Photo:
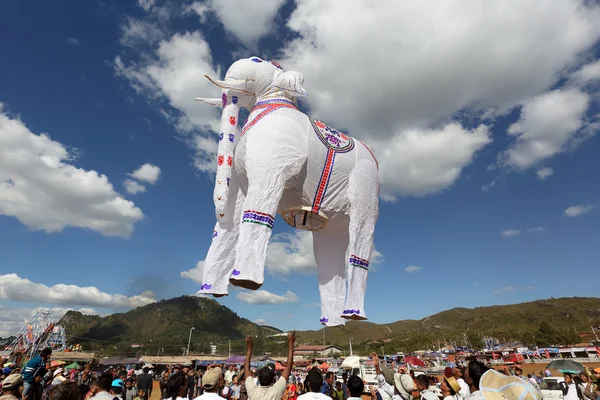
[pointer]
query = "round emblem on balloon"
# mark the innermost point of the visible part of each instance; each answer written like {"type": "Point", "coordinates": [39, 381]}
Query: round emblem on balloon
{"type": "Point", "coordinates": [332, 138]}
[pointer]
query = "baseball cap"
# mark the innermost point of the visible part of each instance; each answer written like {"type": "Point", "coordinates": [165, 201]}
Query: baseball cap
{"type": "Point", "coordinates": [117, 383]}
{"type": "Point", "coordinates": [211, 377]}
{"type": "Point", "coordinates": [12, 381]}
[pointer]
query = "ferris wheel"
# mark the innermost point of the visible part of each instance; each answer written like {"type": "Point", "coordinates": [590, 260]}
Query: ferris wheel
{"type": "Point", "coordinates": [38, 333]}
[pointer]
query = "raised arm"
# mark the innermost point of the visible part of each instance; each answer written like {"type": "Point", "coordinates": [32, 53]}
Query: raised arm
{"type": "Point", "coordinates": [290, 359]}
{"type": "Point", "coordinates": [375, 359]}
{"type": "Point", "coordinates": [249, 343]}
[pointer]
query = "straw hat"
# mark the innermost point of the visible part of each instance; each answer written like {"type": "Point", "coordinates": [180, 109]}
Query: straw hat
{"type": "Point", "coordinates": [497, 386]}
{"type": "Point", "coordinates": [404, 383]}
{"type": "Point", "coordinates": [453, 383]}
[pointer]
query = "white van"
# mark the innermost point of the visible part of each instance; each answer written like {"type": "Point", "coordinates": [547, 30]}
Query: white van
{"type": "Point", "coordinates": [551, 389]}
{"type": "Point", "coordinates": [354, 365]}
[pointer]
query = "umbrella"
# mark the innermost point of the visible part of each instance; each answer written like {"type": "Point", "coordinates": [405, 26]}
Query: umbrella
{"type": "Point", "coordinates": [56, 363]}
{"type": "Point", "coordinates": [72, 366]}
{"type": "Point", "coordinates": [566, 365]}
{"type": "Point", "coordinates": [417, 362]}
{"type": "Point", "coordinates": [324, 366]}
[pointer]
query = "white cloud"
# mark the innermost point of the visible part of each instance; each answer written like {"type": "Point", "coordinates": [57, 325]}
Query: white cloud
{"type": "Point", "coordinates": [137, 32]}
{"type": "Point", "coordinates": [576, 211]}
{"type": "Point", "coordinates": [15, 288]}
{"type": "Point", "coordinates": [544, 173]}
{"type": "Point", "coordinates": [264, 297]}
{"type": "Point", "coordinates": [42, 189]}
{"type": "Point", "coordinates": [14, 318]}
{"type": "Point", "coordinates": [293, 253]}
{"type": "Point", "coordinates": [175, 74]}
{"type": "Point", "coordinates": [146, 5]}
{"type": "Point", "coordinates": [412, 268]}
{"type": "Point", "coordinates": [588, 73]}
{"type": "Point", "coordinates": [73, 41]}
{"type": "Point", "coordinates": [529, 288]}
{"type": "Point", "coordinates": [133, 187]}
{"type": "Point", "coordinates": [426, 59]}
{"type": "Point", "coordinates": [510, 233]}
{"type": "Point", "coordinates": [489, 186]}
{"type": "Point", "coordinates": [195, 273]}
{"type": "Point", "coordinates": [504, 290]}
{"type": "Point", "coordinates": [538, 230]}
{"type": "Point", "coordinates": [247, 21]}
{"type": "Point", "coordinates": [547, 125]}
{"type": "Point", "coordinates": [147, 173]}
{"type": "Point", "coordinates": [422, 161]}
{"type": "Point", "coordinates": [260, 321]}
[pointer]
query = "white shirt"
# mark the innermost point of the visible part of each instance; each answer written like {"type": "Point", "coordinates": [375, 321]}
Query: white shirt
{"type": "Point", "coordinates": [258, 392]}
{"type": "Point", "coordinates": [229, 376]}
{"type": "Point", "coordinates": [314, 396]}
{"type": "Point", "coordinates": [476, 396]}
{"type": "Point", "coordinates": [387, 388]}
{"type": "Point", "coordinates": [429, 395]}
{"type": "Point", "coordinates": [102, 396]}
{"type": "Point", "coordinates": [209, 396]}
{"type": "Point", "coordinates": [464, 388]}
{"type": "Point", "coordinates": [572, 393]}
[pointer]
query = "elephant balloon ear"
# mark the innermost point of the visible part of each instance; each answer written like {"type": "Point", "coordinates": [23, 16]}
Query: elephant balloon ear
{"type": "Point", "coordinates": [291, 82]}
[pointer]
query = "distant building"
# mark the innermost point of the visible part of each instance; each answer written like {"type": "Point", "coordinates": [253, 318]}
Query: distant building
{"type": "Point", "coordinates": [323, 351]}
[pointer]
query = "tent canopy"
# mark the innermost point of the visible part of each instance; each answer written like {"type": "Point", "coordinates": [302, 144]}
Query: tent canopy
{"type": "Point", "coordinates": [235, 360]}
{"type": "Point", "coordinates": [72, 366]}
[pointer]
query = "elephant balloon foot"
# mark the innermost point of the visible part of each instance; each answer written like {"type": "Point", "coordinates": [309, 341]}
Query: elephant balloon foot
{"type": "Point", "coordinates": [245, 283]}
{"type": "Point", "coordinates": [354, 317]}
{"type": "Point", "coordinates": [219, 295]}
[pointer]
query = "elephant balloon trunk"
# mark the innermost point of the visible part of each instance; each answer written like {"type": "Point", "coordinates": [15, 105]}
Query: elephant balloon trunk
{"type": "Point", "coordinates": [227, 141]}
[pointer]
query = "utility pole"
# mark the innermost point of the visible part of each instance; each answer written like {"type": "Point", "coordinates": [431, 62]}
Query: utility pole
{"type": "Point", "coordinates": [350, 342]}
{"type": "Point", "coordinates": [593, 330]}
{"type": "Point", "coordinates": [189, 341]}
{"type": "Point", "coordinates": [229, 341]}
{"type": "Point", "coordinates": [324, 335]}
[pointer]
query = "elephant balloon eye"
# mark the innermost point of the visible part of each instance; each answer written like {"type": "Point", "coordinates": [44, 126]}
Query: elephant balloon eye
{"type": "Point", "coordinates": [256, 60]}
{"type": "Point", "coordinates": [276, 65]}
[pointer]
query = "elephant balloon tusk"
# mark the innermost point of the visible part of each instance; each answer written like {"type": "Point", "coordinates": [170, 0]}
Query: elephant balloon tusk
{"type": "Point", "coordinates": [231, 85]}
{"type": "Point", "coordinates": [212, 101]}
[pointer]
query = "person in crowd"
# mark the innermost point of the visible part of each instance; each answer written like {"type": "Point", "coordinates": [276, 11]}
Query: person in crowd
{"type": "Point", "coordinates": [144, 381]}
{"type": "Point", "coordinates": [569, 388]}
{"type": "Point", "coordinates": [403, 383]}
{"type": "Point", "coordinates": [104, 386]}
{"type": "Point", "coordinates": [37, 388]}
{"type": "Point", "coordinates": [191, 382]}
{"type": "Point", "coordinates": [177, 387]}
{"type": "Point", "coordinates": [337, 393]}
{"type": "Point", "coordinates": [116, 389]}
{"type": "Point", "coordinates": [140, 395]}
{"type": "Point", "coordinates": [229, 375]}
{"type": "Point", "coordinates": [473, 375]}
{"type": "Point", "coordinates": [163, 384]}
{"type": "Point", "coordinates": [268, 388]}
{"type": "Point", "coordinates": [355, 387]}
{"type": "Point", "coordinates": [293, 390]}
{"type": "Point", "coordinates": [314, 383]}
{"type": "Point", "coordinates": [327, 388]}
{"type": "Point", "coordinates": [450, 388]}
{"type": "Point", "coordinates": [345, 385]}
{"type": "Point", "coordinates": [130, 390]}
{"type": "Point", "coordinates": [235, 388]}
{"type": "Point", "coordinates": [13, 387]}
{"type": "Point", "coordinates": [65, 391]}
{"type": "Point", "coordinates": [38, 361]}
{"type": "Point", "coordinates": [86, 376]}
{"type": "Point", "coordinates": [423, 388]}
{"type": "Point", "coordinates": [458, 373]}
{"type": "Point", "coordinates": [212, 382]}
{"type": "Point", "coordinates": [93, 389]}
{"type": "Point", "coordinates": [198, 384]}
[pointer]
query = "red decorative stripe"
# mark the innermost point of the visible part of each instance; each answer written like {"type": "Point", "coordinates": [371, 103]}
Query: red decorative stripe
{"type": "Point", "coordinates": [372, 154]}
{"type": "Point", "coordinates": [268, 108]}
{"type": "Point", "coordinates": [259, 213]}
{"type": "Point", "coordinates": [324, 181]}
{"type": "Point", "coordinates": [358, 258]}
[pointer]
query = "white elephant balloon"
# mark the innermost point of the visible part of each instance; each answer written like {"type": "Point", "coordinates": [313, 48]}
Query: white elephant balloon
{"type": "Point", "coordinates": [283, 161]}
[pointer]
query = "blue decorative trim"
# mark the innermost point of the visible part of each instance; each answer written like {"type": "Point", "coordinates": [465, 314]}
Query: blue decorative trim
{"type": "Point", "coordinates": [351, 311]}
{"type": "Point", "coordinates": [324, 320]}
{"type": "Point", "coordinates": [206, 286]}
{"type": "Point", "coordinates": [235, 272]}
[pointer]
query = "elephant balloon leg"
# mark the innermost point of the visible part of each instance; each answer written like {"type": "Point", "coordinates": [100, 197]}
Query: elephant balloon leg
{"type": "Point", "coordinates": [364, 211]}
{"type": "Point", "coordinates": [330, 244]}
{"type": "Point", "coordinates": [221, 254]}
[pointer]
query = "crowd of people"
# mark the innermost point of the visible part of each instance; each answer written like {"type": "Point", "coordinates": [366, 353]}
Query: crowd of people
{"type": "Point", "coordinates": [38, 381]}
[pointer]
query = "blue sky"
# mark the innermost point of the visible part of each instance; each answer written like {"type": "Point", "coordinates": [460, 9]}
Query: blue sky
{"type": "Point", "coordinates": [485, 131]}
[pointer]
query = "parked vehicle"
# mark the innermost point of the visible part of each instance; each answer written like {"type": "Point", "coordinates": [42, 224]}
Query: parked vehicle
{"type": "Point", "coordinates": [551, 389]}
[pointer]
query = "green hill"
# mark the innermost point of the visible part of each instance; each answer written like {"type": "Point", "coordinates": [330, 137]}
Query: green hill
{"type": "Point", "coordinates": [163, 326]}
{"type": "Point", "coordinates": [468, 326]}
